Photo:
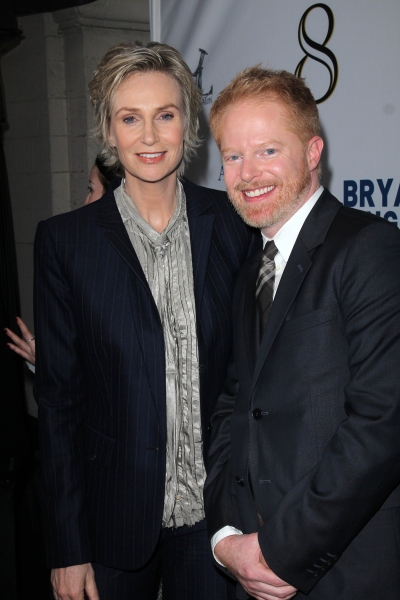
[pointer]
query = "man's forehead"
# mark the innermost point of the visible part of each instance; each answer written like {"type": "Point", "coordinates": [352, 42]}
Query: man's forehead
{"type": "Point", "coordinates": [272, 104]}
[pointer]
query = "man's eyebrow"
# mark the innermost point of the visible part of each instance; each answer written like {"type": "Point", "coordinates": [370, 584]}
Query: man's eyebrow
{"type": "Point", "coordinates": [159, 109]}
{"type": "Point", "coordinates": [257, 147]}
{"type": "Point", "coordinates": [228, 150]}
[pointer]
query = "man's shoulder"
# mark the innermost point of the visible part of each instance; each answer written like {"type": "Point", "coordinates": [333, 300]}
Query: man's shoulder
{"type": "Point", "coordinates": [351, 222]}
{"type": "Point", "coordinates": [216, 202]}
{"type": "Point", "coordinates": [193, 189]}
{"type": "Point", "coordinates": [345, 222]}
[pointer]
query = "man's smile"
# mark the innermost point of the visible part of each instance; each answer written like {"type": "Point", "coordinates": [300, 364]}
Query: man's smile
{"type": "Point", "coordinates": [258, 191]}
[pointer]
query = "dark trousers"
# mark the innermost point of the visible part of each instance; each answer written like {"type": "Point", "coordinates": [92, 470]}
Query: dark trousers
{"type": "Point", "coordinates": [182, 560]}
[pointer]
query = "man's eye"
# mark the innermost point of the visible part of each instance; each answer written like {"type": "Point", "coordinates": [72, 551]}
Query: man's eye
{"type": "Point", "coordinates": [233, 157]}
{"type": "Point", "coordinates": [270, 151]}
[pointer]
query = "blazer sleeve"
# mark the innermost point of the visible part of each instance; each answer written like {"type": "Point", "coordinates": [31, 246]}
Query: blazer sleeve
{"type": "Point", "coordinates": [60, 393]}
{"type": "Point", "coordinates": [360, 467]}
{"type": "Point", "coordinates": [219, 500]}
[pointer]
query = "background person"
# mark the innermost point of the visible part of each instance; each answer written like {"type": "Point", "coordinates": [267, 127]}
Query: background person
{"type": "Point", "coordinates": [305, 456]}
{"type": "Point", "coordinates": [133, 297]}
{"type": "Point", "coordinates": [25, 345]}
{"type": "Point", "coordinates": [100, 177]}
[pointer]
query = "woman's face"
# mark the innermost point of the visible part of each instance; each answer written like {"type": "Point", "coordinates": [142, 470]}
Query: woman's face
{"type": "Point", "coordinates": [147, 127]}
{"type": "Point", "coordinates": [96, 189]}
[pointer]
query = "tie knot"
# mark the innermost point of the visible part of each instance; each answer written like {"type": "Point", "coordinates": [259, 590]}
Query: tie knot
{"type": "Point", "coordinates": [270, 250]}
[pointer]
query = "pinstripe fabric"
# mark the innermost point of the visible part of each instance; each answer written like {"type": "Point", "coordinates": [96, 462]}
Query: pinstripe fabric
{"type": "Point", "coordinates": [182, 559]}
{"type": "Point", "coordinates": [100, 379]}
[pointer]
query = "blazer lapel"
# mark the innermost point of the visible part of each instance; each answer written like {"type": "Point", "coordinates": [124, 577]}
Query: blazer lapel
{"type": "Point", "coordinates": [251, 324]}
{"type": "Point", "coordinates": [148, 325]}
{"type": "Point", "coordinates": [201, 226]}
{"type": "Point", "coordinates": [109, 219]}
{"type": "Point", "coordinates": [312, 235]}
{"type": "Point", "coordinates": [292, 278]}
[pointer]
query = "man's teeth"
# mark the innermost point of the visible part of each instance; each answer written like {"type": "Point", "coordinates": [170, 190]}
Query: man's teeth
{"type": "Point", "coordinates": [259, 192]}
{"type": "Point", "coordinates": [155, 155]}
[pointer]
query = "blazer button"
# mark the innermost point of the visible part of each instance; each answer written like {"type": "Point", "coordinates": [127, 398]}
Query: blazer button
{"type": "Point", "coordinates": [239, 481]}
{"type": "Point", "coordinates": [257, 414]}
{"type": "Point", "coordinates": [202, 368]}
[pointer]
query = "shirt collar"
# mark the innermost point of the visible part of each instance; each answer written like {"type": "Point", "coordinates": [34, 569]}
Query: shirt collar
{"type": "Point", "coordinates": [129, 212]}
{"type": "Point", "coordinates": [286, 237]}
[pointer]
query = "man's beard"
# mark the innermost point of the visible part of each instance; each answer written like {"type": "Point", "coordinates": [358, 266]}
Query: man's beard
{"type": "Point", "coordinates": [268, 213]}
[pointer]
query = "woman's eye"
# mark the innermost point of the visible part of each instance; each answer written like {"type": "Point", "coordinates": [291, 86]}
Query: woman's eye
{"type": "Point", "coordinates": [167, 117]}
{"type": "Point", "coordinates": [128, 120]}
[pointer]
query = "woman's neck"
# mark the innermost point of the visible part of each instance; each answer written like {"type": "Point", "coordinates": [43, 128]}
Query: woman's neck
{"type": "Point", "coordinates": [155, 202]}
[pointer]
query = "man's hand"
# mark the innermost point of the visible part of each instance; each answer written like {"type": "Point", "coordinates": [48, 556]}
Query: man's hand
{"type": "Point", "coordinates": [70, 583]}
{"type": "Point", "coordinates": [242, 556]}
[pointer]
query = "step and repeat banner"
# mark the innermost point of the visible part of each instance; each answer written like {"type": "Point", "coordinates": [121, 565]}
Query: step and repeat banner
{"type": "Point", "coordinates": [349, 54]}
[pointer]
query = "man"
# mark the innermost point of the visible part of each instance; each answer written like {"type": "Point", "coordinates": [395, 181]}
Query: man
{"type": "Point", "coordinates": [305, 451]}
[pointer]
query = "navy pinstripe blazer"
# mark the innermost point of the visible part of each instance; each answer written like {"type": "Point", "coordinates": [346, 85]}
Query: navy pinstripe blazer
{"type": "Point", "coordinates": [100, 378]}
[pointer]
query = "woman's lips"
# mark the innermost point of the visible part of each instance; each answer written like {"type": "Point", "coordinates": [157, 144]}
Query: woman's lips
{"type": "Point", "coordinates": [151, 157]}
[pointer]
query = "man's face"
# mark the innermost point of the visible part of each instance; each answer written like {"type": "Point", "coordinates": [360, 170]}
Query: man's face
{"type": "Point", "coordinates": [269, 172]}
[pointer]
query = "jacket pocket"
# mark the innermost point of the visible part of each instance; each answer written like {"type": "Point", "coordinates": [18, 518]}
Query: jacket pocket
{"type": "Point", "coordinates": [312, 319]}
{"type": "Point", "coordinates": [98, 447]}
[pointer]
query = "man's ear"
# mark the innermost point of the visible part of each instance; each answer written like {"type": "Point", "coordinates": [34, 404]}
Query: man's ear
{"type": "Point", "coordinates": [314, 151]}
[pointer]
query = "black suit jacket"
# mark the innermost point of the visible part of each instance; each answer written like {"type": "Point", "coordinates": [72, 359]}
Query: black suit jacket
{"type": "Point", "coordinates": [312, 417]}
{"type": "Point", "coordinates": [100, 378]}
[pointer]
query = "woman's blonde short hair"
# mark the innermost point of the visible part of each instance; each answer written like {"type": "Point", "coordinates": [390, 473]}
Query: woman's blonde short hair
{"type": "Point", "coordinates": [124, 60]}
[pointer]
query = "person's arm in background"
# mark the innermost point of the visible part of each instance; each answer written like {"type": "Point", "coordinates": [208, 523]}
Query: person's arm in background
{"type": "Point", "coordinates": [24, 346]}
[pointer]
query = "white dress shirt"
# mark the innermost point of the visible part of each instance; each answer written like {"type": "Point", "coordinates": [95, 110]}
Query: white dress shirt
{"type": "Point", "coordinates": [284, 240]}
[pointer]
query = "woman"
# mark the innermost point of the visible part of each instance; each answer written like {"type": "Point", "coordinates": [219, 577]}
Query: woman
{"type": "Point", "coordinates": [133, 295]}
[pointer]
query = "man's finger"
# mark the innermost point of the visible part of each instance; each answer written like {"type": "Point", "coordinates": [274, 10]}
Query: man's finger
{"type": "Point", "coordinates": [91, 590]}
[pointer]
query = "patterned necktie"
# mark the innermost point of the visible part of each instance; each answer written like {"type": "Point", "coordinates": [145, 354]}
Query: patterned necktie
{"type": "Point", "coordinates": [265, 283]}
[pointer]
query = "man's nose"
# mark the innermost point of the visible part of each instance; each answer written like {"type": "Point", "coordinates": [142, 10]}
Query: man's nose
{"type": "Point", "coordinates": [250, 170]}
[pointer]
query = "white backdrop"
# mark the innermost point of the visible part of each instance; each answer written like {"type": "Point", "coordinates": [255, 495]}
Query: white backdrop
{"type": "Point", "coordinates": [361, 117]}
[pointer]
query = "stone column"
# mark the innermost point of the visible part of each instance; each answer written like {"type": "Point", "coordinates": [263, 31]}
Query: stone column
{"type": "Point", "coordinates": [88, 32]}
{"type": "Point", "coordinates": [47, 146]}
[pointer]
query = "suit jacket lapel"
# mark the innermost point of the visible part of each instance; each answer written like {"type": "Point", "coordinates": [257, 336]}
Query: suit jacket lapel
{"type": "Point", "coordinates": [312, 235]}
{"type": "Point", "coordinates": [148, 325]}
{"type": "Point", "coordinates": [109, 219]}
{"type": "Point", "coordinates": [201, 226]}
{"type": "Point", "coordinates": [251, 322]}
{"type": "Point", "coordinates": [292, 278]}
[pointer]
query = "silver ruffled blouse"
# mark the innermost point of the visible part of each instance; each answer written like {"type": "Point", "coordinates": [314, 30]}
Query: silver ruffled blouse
{"type": "Point", "coordinates": [166, 260]}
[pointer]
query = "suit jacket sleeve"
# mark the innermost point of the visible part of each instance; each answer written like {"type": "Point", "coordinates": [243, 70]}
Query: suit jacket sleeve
{"type": "Point", "coordinates": [219, 497]}
{"type": "Point", "coordinates": [60, 393]}
{"type": "Point", "coordinates": [360, 467]}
